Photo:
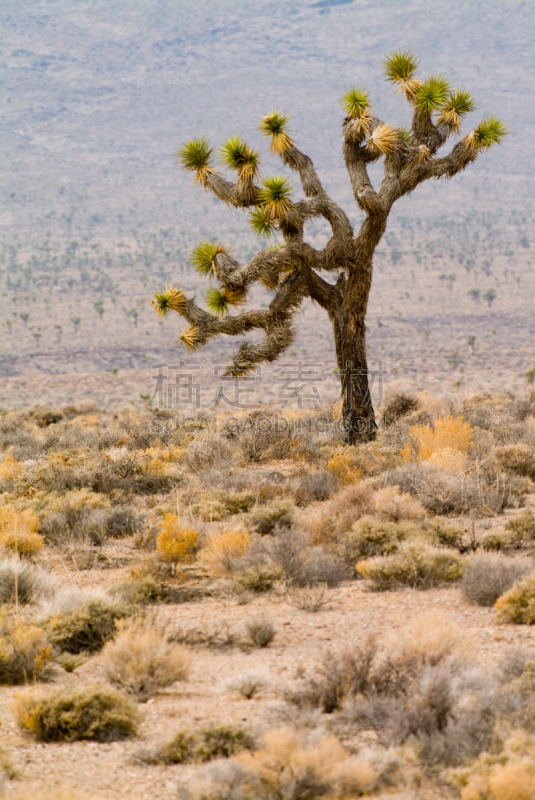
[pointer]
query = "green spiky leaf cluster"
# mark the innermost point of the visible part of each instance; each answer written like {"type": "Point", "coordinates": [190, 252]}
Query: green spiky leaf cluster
{"type": "Point", "coordinates": [275, 196]}
{"type": "Point", "coordinates": [354, 101]}
{"type": "Point", "coordinates": [236, 154]}
{"type": "Point", "coordinates": [400, 66]}
{"type": "Point", "coordinates": [432, 94]}
{"type": "Point", "coordinates": [274, 125]}
{"type": "Point", "coordinates": [261, 223]}
{"type": "Point", "coordinates": [202, 257]}
{"type": "Point", "coordinates": [195, 155]}
{"type": "Point", "coordinates": [161, 302]}
{"type": "Point", "coordinates": [460, 101]}
{"type": "Point", "coordinates": [404, 134]}
{"type": "Point", "coordinates": [217, 301]}
{"type": "Point", "coordinates": [490, 131]}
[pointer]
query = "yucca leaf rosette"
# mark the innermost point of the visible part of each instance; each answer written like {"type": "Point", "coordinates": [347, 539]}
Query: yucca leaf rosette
{"type": "Point", "coordinates": [454, 107]}
{"type": "Point", "coordinates": [172, 299]}
{"type": "Point", "coordinates": [195, 156]}
{"type": "Point", "coordinates": [237, 155]}
{"type": "Point", "coordinates": [383, 140]}
{"type": "Point", "coordinates": [432, 94]}
{"type": "Point", "coordinates": [356, 105]}
{"type": "Point", "coordinates": [275, 197]}
{"type": "Point", "coordinates": [274, 125]}
{"type": "Point", "coordinates": [400, 67]}
{"type": "Point", "coordinates": [261, 223]}
{"type": "Point", "coordinates": [203, 256]}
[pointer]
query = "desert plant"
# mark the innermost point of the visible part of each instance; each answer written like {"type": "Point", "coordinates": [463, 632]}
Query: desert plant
{"type": "Point", "coordinates": [87, 625]}
{"type": "Point", "coordinates": [19, 532]}
{"type": "Point", "coordinates": [278, 513]}
{"type": "Point", "coordinates": [21, 582]}
{"type": "Point", "coordinates": [521, 529]}
{"type": "Point", "coordinates": [416, 565]}
{"type": "Point", "coordinates": [141, 660]}
{"type": "Point", "coordinates": [398, 406]}
{"type": "Point", "coordinates": [396, 505]}
{"type": "Point", "coordinates": [293, 270]}
{"type": "Point", "coordinates": [176, 542]}
{"type": "Point", "coordinates": [222, 551]}
{"type": "Point", "coordinates": [486, 577]}
{"type": "Point", "coordinates": [519, 458]}
{"type": "Point", "coordinates": [257, 578]}
{"type": "Point", "coordinates": [344, 468]}
{"type": "Point", "coordinates": [308, 598]}
{"type": "Point", "coordinates": [24, 652]}
{"type": "Point", "coordinates": [206, 744]}
{"type": "Point", "coordinates": [99, 714]}
{"type": "Point", "coordinates": [247, 684]}
{"type": "Point", "coordinates": [260, 631]}
{"type": "Point", "coordinates": [517, 605]}
{"type": "Point", "coordinates": [138, 591]}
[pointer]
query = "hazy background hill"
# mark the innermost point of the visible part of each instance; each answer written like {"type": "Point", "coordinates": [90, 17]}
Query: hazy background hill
{"type": "Point", "coordinates": [96, 215]}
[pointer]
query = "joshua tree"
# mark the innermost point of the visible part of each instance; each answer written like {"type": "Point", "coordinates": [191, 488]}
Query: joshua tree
{"type": "Point", "coordinates": [293, 270]}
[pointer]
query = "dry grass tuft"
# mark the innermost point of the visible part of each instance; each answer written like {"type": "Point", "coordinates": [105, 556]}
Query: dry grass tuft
{"type": "Point", "coordinates": [21, 582]}
{"type": "Point", "coordinates": [141, 660]}
{"type": "Point", "coordinates": [396, 505]}
{"type": "Point", "coordinates": [260, 631]}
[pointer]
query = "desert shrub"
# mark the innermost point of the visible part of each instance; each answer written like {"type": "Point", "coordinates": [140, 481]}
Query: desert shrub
{"type": "Point", "coordinates": [122, 521]}
{"type": "Point", "coordinates": [344, 469]}
{"type": "Point", "coordinates": [370, 537]}
{"type": "Point", "coordinates": [222, 551]}
{"type": "Point", "coordinates": [486, 577]}
{"type": "Point", "coordinates": [141, 660]}
{"type": "Point", "coordinates": [517, 605]}
{"type": "Point", "coordinates": [316, 485]}
{"type": "Point", "coordinates": [257, 578]}
{"type": "Point", "coordinates": [521, 529]}
{"type": "Point", "coordinates": [139, 591]}
{"type": "Point", "coordinates": [326, 523]}
{"type": "Point", "coordinates": [24, 652]}
{"type": "Point", "coordinates": [100, 714]}
{"type": "Point", "coordinates": [10, 470]}
{"type": "Point", "coordinates": [247, 684]}
{"type": "Point", "coordinates": [416, 565]}
{"type": "Point", "coordinates": [449, 434]}
{"type": "Point", "coordinates": [21, 582]}
{"type": "Point", "coordinates": [519, 458]}
{"type": "Point", "coordinates": [209, 450]}
{"type": "Point", "coordinates": [176, 543]}
{"type": "Point", "coordinates": [278, 513]}
{"type": "Point", "coordinates": [262, 435]}
{"type": "Point", "coordinates": [260, 631]}
{"type": "Point", "coordinates": [86, 626]}
{"type": "Point", "coordinates": [308, 598]}
{"type": "Point", "coordinates": [288, 766]}
{"type": "Point", "coordinates": [398, 406]}
{"type": "Point", "coordinates": [289, 554]}
{"type": "Point", "coordinates": [79, 515]}
{"type": "Point", "coordinates": [444, 493]}
{"type": "Point", "coordinates": [19, 532]}
{"type": "Point", "coordinates": [505, 775]}
{"type": "Point", "coordinates": [396, 505]}
{"type": "Point", "coordinates": [206, 744]}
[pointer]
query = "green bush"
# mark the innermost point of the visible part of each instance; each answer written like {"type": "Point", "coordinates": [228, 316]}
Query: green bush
{"type": "Point", "coordinates": [371, 537]}
{"type": "Point", "coordinates": [414, 564]}
{"type": "Point", "coordinates": [206, 744]}
{"type": "Point", "coordinates": [87, 627]}
{"type": "Point", "coordinates": [101, 714]}
{"type": "Point", "coordinates": [258, 578]}
{"type": "Point", "coordinates": [279, 513]}
{"type": "Point", "coordinates": [517, 605]}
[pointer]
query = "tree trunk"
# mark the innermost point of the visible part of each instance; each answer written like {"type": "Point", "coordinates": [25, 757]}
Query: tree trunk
{"type": "Point", "coordinates": [350, 343]}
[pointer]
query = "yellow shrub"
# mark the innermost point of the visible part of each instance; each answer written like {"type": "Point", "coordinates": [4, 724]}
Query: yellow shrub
{"type": "Point", "coordinates": [11, 469]}
{"type": "Point", "coordinates": [222, 549]}
{"type": "Point", "coordinates": [451, 437]}
{"type": "Point", "coordinates": [342, 468]}
{"type": "Point", "coordinates": [18, 532]}
{"type": "Point", "coordinates": [24, 652]}
{"type": "Point", "coordinates": [508, 782]}
{"type": "Point", "coordinates": [176, 543]}
{"type": "Point", "coordinates": [397, 505]}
